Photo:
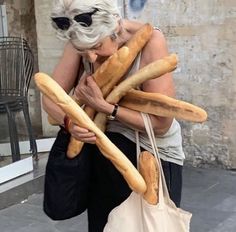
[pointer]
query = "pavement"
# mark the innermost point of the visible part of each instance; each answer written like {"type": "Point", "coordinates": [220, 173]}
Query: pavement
{"type": "Point", "coordinates": [209, 194]}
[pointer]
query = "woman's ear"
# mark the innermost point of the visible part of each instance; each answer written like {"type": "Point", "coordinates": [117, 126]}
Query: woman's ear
{"type": "Point", "coordinates": [113, 36]}
{"type": "Point", "coordinates": [118, 30]}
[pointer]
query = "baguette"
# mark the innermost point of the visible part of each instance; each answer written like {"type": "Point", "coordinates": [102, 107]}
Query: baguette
{"type": "Point", "coordinates": [149, 169]}
{"type": "Point", "coordinates": [53, 91]}
{"type": "Point", "coordinates": [161, 105]}
{"type": "Point", "coordinates": [112, 70]}
{"type": "Point", "coordinates": [150, 71]}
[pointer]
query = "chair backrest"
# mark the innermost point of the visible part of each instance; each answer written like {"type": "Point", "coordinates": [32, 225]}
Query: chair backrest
{"type": "Point", "coordinates": [16, 66]}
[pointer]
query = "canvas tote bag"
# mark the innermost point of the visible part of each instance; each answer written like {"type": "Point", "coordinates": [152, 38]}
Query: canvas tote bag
{"type": "Point", "coordinates": [137, 215]}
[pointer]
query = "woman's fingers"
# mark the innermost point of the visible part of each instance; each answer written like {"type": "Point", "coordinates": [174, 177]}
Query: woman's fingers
{"type": "Point", "coordinates": [87, 140]}
{"type": "Point", "coordinates": [82, 134]}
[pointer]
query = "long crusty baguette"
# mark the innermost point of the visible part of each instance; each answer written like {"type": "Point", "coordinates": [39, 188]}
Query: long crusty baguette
{"type": "Point", "coordinates": [162, 105]}
{"type": "Point", "coordinates": [53, 91]}
{"type": "Point", "coordinates": [112, 70]}
{"type": "Point", "coordinates": [149, 169]}
{"type": "Point", "coordinates": [150, 71]}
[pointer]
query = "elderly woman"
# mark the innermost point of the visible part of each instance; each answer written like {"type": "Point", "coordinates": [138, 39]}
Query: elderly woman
{"type": "Point", "coordinates": [95, 30]}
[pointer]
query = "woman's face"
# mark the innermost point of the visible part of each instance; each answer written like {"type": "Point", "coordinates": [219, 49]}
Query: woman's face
{"type": "Point", "coordinates": [101, 50]}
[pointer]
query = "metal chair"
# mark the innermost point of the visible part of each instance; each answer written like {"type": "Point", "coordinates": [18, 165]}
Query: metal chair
{"type": "Point", "coordinates": [16, 69]}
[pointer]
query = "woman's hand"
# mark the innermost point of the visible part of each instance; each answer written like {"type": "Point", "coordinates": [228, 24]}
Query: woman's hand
{"type": "Point", "coordinates": [82, 134]}
{"type": "Point", "coordinates": [88, 92]}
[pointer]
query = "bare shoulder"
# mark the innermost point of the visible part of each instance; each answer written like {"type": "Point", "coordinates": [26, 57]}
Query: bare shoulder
{"type": "Point", "coordinates": [65, 72]}
{"type": "Point", "coordinates": [131, 25]}
{"type": "Point", "coordinates": [156, 48]}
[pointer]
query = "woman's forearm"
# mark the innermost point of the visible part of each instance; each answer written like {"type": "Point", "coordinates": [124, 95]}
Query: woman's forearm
{"type": "Point", "coordinates": [134, 120]}
{"type": "Point", "coordinates": [53, 110]}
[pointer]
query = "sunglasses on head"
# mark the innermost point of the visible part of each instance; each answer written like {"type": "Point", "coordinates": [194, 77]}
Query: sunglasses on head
{"type": "Point", "coordinates": [84, 19]}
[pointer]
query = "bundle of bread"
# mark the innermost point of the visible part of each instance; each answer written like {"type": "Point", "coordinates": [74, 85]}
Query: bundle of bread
{"type": "Point", "coordinates": [153, 103]}
{"type": "Point", "coordinates": [124, 93]}
{"type": "Point", "coordinates": [54, 92]}
{"type": "Point", "coordinates": [150, 71]}
{"type": "Point", "coordinates": [106, 78]}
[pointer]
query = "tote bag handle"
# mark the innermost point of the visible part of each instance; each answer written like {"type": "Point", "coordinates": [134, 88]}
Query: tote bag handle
{"type": "Point", "coordinates": [163, 191]}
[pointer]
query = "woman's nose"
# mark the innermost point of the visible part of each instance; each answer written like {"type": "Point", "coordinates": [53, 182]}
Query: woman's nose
{"type": "Point", "coordinates": [91, 56]}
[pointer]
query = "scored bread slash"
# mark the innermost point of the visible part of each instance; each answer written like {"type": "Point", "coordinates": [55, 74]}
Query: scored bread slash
{"type": "Point", "coordinates": [162, 105]}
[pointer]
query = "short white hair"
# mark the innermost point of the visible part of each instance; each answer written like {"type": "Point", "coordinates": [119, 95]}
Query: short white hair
{"type": "Point", "coordinates": [104, 21]}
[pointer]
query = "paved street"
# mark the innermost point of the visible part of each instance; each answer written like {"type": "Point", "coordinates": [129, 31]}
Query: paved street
{"type": "Point", "coordinates": [208, 193]}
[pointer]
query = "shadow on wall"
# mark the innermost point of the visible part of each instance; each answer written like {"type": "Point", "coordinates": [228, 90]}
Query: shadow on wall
{"type": "Point", "coordinates": [137, 5]}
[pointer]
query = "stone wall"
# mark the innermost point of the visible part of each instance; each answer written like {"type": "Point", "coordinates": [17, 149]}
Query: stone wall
{"type": "Point", "coordinates": [49, 50]}
{"type": "Point", "coordinates": [203, 34]}
{"type": "Point", "coordinates": [21, 22]}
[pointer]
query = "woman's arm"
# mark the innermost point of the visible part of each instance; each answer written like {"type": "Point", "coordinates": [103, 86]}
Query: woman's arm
{"type": "Point", "coordinates": [65, 73]}
{"type": "Point", "coordinates": [154, 50]}
{"type": "Point", "coordinates": [157, 49]}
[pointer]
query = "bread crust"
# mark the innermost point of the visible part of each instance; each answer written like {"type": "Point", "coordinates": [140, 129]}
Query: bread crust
{"type": "Point", "coordinates": [150, 171]}
{"type": "Point", "coordinates": [162, 105]}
